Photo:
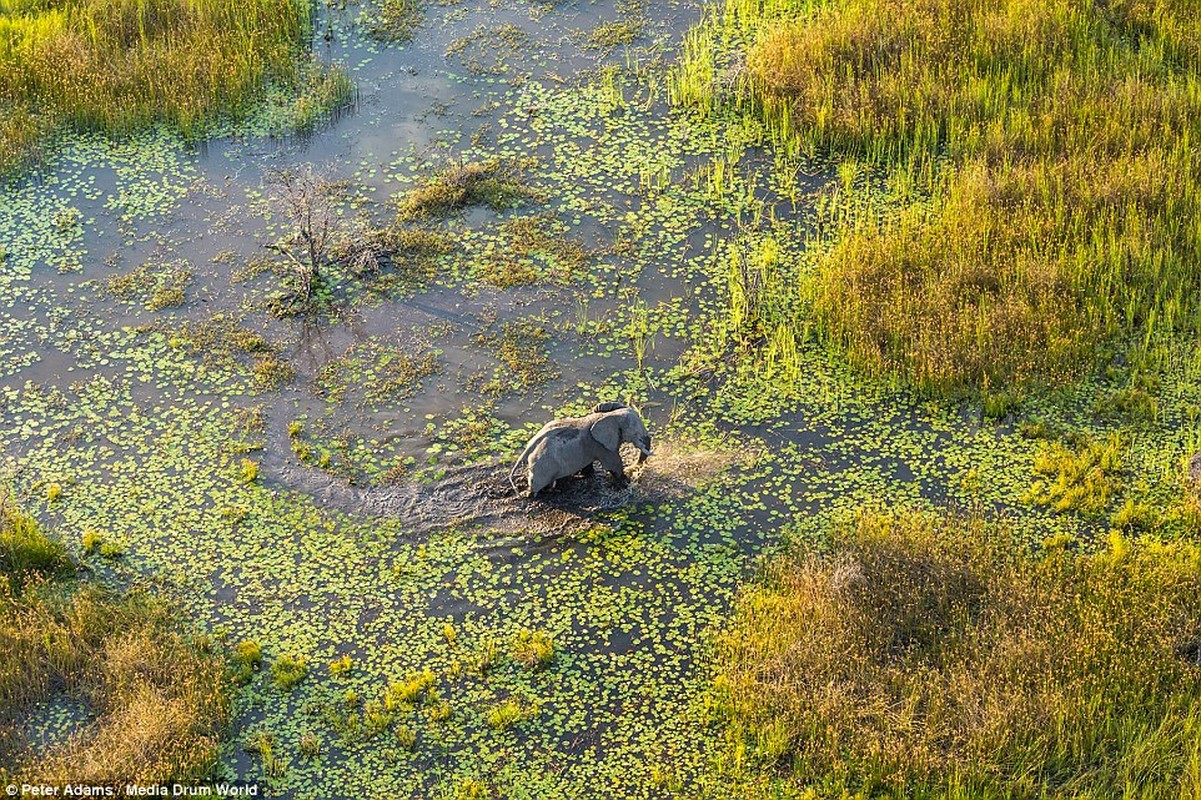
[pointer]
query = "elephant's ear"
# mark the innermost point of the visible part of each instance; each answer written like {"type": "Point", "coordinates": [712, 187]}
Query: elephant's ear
{"type": "Point", "coordinates": [607, 431]}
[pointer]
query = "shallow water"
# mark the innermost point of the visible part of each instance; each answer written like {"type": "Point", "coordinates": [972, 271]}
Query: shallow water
{"type": "Point", "coordinates": [369, 554]}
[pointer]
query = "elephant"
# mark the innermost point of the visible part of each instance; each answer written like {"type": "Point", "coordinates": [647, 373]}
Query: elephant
{"type": "Point", "coordinates": [570, 445]}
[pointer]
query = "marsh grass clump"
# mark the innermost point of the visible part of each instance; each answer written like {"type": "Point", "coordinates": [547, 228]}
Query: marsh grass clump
{"type": "Point", "coordinates": [247, 658]}
{"type": "Point", "coordinates": [408, 691]}
{"type": "Point", "coordinates": [396, 21]}
{"type": "Point", "coordinates": [25, 551]}
{"type": "Point", "coordinates": [155, 286]}
{"type": "Point", "coordinates": [1036, 163]}
{"type": "Point", "coordinates": [521, 348]}
{"type": "Point", "coordinates": [1133, 404]}
{"type": "Point", "coordinates": [288, 670]}
{"type": "Point", "coordinates": [1084, 479]}
{"type": "Point", "coordinates": [533, 649]}
{"type": "Point", "coordinates": [933, 656]}
{"type": "Point", "coordinates": [507, 713]}
{"type": "Point", "coordinates": [157, 698]}
{"type": "Point", "coordinates": [118, 65]}
{"type": "Point", "coordinates": [496, 183]}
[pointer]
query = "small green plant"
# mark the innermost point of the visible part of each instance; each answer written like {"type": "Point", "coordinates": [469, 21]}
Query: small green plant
{"type": "Point", "coordinates": [440, 712]}
{"type": "Point", "coordinates": [310, 745]}
{"type": "Point", "coordinates": [262, 743]}
{"type": "Point", "coordinates": [406, 737]}
{"type": "Point", "coordinates": [91, 540]}
{"type": "Point", "coordinates": [534, 649]}
{"type": "Point", "coordinates": [485, 655]}
{"type": "Point", "coordinates": [248, 656]}
{"type": "Point", "coordinates": [471, 789]}
{"type": "Point", "coordinates": [377, 718]}
{"type": "Point", "coordinates": [271, 372]}
{"type": "Point", "coordinates": [288, 670]}
{"type": "Point", "coordinates": [111, 548]}
{"type": "Point", "coordinates": [409, 690]}
{"type": "Point", "coordinates": [341, 666]}
{"type": "Point", "coordinates": [250, 470]}
{"type": "Point", "coordinates": [506, 714]}
{"type": "Point", "coordinates": [53, 492]}
{"type": "Point", "coordinates": [998, 405]}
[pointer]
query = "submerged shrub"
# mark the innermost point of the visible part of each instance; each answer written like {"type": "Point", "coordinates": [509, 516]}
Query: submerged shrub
{"type": "Point", "coordinates": [933, 656]}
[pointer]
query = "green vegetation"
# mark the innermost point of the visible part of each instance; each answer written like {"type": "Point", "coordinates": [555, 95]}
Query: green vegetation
{"type": "Point", "coordinates": [1029, 178]}
{"type": "Point", "coordinates": [1084, 479]}
{"type": "Point", "coordinates": [396, 20]}
{"type": "Point", "coordinates": [155, 286]}
{"type": "Point", "coordinates": [496, 183]}
{"type": "Point", "coordinates": [118, 66]}
{"type": "Point", "coordinates": [928, 656]}
{"type": "Point", "coordinates": [534, 649]}
{"type": "Point", "coordinates": [507, 713]}
{"type": "Point", "coordinates": [288, 670]}
{"type": "Point", "coordinates": [248, 657]}
{"type": "Point", "coordinates": [521, 349]}
{"type": "Point", "coordinates": [154, 699]}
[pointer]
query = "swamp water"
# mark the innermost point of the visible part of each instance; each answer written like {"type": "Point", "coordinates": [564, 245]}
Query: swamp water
{"type": "Point", "coordinates": [373, 520]}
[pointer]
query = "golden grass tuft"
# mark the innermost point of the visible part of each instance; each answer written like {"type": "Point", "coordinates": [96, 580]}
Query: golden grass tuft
{"type": "Point", "coordinates": [117, 65]}
{"type": "Point", "coordinates": [932, 656]}
{"type": "Point", "coordinates": [157, 697]}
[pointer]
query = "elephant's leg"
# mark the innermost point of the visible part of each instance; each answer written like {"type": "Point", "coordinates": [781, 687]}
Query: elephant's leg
{"type": "Point", "coordinates": [613, 463]}
{"type": "Point", "coordinates": [589, 470]}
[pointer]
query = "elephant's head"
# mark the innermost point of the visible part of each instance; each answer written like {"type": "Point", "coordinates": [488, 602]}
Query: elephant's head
{"type": "Point", "coordinates": [622, 425]}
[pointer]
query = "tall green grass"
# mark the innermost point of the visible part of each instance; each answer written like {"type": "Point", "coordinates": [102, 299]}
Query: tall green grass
{"type": "Point", "coordinates": [157, 698]}
{"type": "Point", "coordinates": [927, 656]}
{"type": "Point", "coordinates": [116, 65]}
{"type": "Point", "coordinates": [1038, 157]}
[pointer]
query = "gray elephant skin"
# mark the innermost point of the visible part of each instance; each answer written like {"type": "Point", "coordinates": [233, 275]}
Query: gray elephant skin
{"type": "Point", "coordinates": [571, 445]}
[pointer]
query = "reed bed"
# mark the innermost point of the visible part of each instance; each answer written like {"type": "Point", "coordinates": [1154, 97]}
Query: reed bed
{"type": "Point", "coordinates": [927, 655]}
{"type": "Point", "coordinates": [116, 65]}
{"type": "Point", "coordinates": [157, 699]}
{"type": "Point", "coordinates": [1038, 160]}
